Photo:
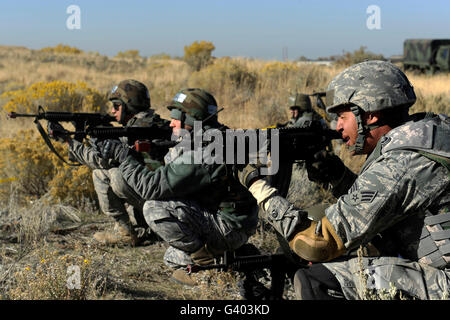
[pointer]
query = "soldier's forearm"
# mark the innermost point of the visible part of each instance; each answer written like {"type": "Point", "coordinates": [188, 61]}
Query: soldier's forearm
{"type": "Point", "coordinates": [87, 155]}
{"type": "Point", "coordinates": [343, 184]}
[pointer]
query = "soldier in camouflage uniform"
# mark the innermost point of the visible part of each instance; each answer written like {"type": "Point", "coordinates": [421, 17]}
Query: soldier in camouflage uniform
{"type": "Point", "coordinates": [130, 104]}
{"type": "Point", "coordinates": [200, 210]}
{"type": "Point", "coordinates": [396, 210]}
{"type": "Point", "coordinates": [301, 111]}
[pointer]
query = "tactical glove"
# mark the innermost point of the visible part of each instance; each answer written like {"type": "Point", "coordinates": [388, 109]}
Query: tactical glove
{"type": "Point", "coordinates": [249, 173]}
{"type": "Point", "coordinates": [325, 167]}
{"type": "Point", "coordinates": [57, 132]}
{"type": "Point", "coordinates": [113, 150]}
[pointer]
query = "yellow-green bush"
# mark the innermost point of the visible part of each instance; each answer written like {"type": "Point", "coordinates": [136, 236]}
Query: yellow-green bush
{"type": "Point", "coordinates": [37, 171]}
{"type": "Point", "coordinates": [224, 76]}
{"type": "Point", "coordinates": [198, 54]}
{"type": "Point", "coordinates": [55, 96]}
{"type": "Point", "coordinates": [61, 48]}
{"type": "Point", "coordinates": [128, 54]}
{"type": "Point", "coordinates": [357, 56]}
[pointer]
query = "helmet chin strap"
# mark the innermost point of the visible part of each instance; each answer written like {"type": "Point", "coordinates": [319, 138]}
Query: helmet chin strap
{"type": "Point", "coordinates": [363, 129]}
{"type": "Point", "coordinates": [123, 114]}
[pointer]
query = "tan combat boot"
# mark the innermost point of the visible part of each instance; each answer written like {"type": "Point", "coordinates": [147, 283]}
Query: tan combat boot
{"type": "Point", "coordinates": [200, 257]}
{"type": "Point", "coordinates": [121, 234]}
{"type": "Point", "coordinates": [182, 277]}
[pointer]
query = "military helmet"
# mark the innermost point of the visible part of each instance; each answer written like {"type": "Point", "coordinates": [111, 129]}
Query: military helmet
{"type": "Point", "coordinates": [371, 85]}
{"type": "Point", "coordinates": [132, 94]}
{"type": "Point", "coordinates": [195, 103]}
{"type": "Point", "coordinates": [300, 101]}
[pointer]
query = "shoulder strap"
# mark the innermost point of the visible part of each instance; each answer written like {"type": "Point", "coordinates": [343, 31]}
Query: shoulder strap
{"type": "Point", "coordinates": [50, 145]}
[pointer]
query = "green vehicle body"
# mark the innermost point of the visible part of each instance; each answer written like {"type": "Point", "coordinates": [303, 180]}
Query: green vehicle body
{"type": "Point", "coordinates": [427, 55]}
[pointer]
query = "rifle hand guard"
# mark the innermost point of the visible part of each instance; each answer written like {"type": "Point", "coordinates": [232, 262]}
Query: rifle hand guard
{"type": "Point", "coordinates": [57, 132]}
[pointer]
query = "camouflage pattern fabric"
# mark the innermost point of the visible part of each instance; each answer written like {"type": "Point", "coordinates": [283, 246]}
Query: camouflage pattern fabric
{"type": "Point", "coordinates": [186, 227]}
{"type": "Point", "coordinates": [371, 85]}
{"type": "Point", "coordinates": [363, 276]}
{"type": "Point", "coordinates": [114, 195]}
{"type": "Point", "coordinates": [193, 219]}
{"type": "Point", "coordinates": [386, 205]}
{"type": "Point", "coordinates": [133, 93]}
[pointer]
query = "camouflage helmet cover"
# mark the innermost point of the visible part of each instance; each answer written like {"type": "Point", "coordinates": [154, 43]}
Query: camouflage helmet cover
{"type": "Point", "coordinates": [195, 102]}
{"type": "Point", "coordinates": [133, 94]}
{"type": "Point", "coordinates": [300, 101]}
{"type": "Point", "coordinates": [371, 85]}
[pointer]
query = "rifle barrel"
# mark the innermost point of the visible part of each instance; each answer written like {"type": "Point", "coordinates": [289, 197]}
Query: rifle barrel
{"type": "Point", "coordinates": [14, 115]}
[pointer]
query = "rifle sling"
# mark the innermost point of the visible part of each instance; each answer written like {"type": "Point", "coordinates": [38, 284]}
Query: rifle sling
{"type": "Point", "coordinates": [50, 145]}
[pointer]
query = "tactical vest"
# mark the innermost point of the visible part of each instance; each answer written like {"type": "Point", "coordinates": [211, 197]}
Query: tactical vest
{"type": "Point", "coordinates": [430, 138]}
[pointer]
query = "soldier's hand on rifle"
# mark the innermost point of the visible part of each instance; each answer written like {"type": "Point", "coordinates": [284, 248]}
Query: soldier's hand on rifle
{"type": "Point", "coordinates": [325, 167]}
{"type": "Point", "coordinates": [57, 132]}
{"type": "Point", "coordinates": [249, 173]}
{"type": "Point", "coordinates": [113, 150]}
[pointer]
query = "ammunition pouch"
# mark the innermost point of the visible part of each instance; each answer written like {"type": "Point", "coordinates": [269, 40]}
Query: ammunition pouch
{"type": "Point", "coordinates": [236, 212]}
{"type": "Point", "coordinates": [434, 245]}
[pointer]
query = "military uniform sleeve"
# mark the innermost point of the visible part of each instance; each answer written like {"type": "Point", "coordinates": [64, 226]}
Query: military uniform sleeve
{"type": "Point", "coordinates": [175, 179]}
{"type": "Point", "coordinates": [393, 187]}
{"type": "Point", "coordinates": [88, 156]}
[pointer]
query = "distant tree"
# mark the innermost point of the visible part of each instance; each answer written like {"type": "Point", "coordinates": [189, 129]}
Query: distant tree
{"type": "Point", "coordinates": [357, 56]}
{"type": "Point", "coordinates": [61, 48]}
{"type": "Point", "coordinates": [128, 54]}
{"type": "Point", "coordinates": [198, 54]}
{"type": "Point", "coordinates": [303, 58]}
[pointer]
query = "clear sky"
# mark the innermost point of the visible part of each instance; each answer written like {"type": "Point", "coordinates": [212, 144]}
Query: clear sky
{"type": "Point", "coordinates": [252, 28]}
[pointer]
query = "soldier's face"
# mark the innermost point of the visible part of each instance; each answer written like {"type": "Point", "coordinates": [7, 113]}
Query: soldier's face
{"type": "Point", "coordinates": [176, 126]}
{"type": "Point", "coordinates": [347, 126]}
{"type": "Point", "coordinates": [116, 110]}
{"type": "Point", "coordinates": [294, 113]}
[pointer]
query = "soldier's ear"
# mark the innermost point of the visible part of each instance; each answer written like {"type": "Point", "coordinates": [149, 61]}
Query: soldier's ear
{"type": "Point", "coordinates": [372, 117]}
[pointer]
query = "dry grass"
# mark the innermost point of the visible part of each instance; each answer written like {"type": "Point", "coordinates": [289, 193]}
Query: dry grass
{"type": "Point", "coordinates": [254, 94]}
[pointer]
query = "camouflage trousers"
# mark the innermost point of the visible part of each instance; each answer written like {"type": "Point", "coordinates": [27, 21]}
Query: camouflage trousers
{"type": "Point", "coordinates": [186, 227]}
{"type": "Point", "coordinates": [359, 276]}
{"type": "Point", "coordinates": [116, 198]}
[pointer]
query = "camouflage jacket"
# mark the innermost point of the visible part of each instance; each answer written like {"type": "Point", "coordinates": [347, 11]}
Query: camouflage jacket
{"type": "Point", "coordinates": [398, 186]}
{"type": "Point", "coordinates": [181, 178]}
{"type": "Point", "coordinates": [89, 155]}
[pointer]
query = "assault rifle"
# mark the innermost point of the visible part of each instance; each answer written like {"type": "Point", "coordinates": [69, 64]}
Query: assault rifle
{"type": "Point", "coordinates": [81, 121]}
{"type": "Point", "coordinates": [278, 264]}
{"type": "Point", "coordinates": [295, 144]}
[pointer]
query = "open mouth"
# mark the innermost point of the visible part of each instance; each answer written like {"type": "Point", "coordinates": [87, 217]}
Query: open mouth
{"type": "Point", "coordinates": [346, 140]}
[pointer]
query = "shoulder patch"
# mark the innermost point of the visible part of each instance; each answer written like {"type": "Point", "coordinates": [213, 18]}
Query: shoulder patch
{"type": "Point", "coordinates": [361, 196]}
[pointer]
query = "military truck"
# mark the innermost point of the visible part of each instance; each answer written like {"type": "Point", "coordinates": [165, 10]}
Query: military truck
{"type": "Point", "coordinates": [427, 55]}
